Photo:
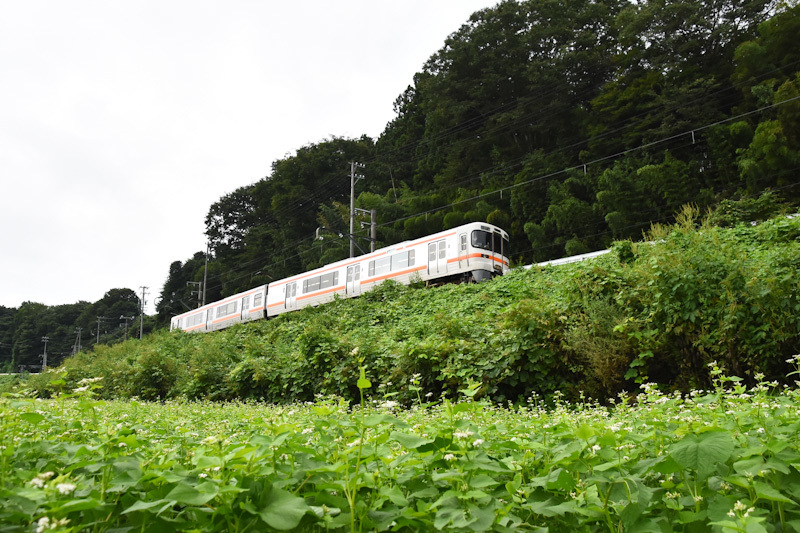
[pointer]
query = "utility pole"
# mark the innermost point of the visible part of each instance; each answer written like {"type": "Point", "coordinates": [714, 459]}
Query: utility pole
{"type": "Point", "coordinates": [198, 292]}
{"type": "Point", "coordinates": [353, 179]}
{"type": "Point", "coordinates": [126, 319]}
{"type": "Point", "coordinates": [44, 356]}
{"type": "Point", "coordinates": [144, 302]}
{"type": "Point", "coordinates": [373, 230]}
{"type": "Point", "coordinates": [77, 346]}
{"type": "Point", "coordinates": [99, 319]}
{"type": "Point", "coordinates": [205, 274]}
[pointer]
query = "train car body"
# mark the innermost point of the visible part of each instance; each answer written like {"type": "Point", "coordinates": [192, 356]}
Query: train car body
{"type": "Point", "coordinates": [475, 251]}
{"type": "Point", "coordinates": [472, 252]}
{"type": "Point", "coordinates": [243, 307]}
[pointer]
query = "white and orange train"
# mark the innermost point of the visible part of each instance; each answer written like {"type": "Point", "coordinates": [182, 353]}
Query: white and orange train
{"type": "Point", "coordinates": [472, 252]}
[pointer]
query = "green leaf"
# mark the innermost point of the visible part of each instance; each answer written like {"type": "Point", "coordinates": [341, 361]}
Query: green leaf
{"type": "Point", "coordinates": [769, 493]}
{"type": "Point", "coordinates": [283, 509]}
{"type": "Point", "coordinates": [703, 452]}
{"type": "Point", "coordinates": [33, 418]}
{"type": "Point", "coordinates": [585, 431]}
{"type": "Point", "coordinates": [145, 506]}
{"type": "Point", "coordinates": [374, 420]}
{"type": "Point", "coordinates": [409, 440]}
{"type": "Point", "coordinates": [189, 495]}
{"type": "Point", "coordinates": [363, 382]}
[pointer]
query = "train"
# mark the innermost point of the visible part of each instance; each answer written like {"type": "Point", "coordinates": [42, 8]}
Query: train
{"type": "Point", "coordinates": [472, 252]}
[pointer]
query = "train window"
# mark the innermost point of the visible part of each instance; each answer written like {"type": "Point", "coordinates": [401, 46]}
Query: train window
{"type": "Point", "coordinates": [400, 261]}
{"type": "Point", "coordinates": [403, 260]}
{"type": "Point", "coordinates": [328, 280]}
{"type": "Point", "coordinates": [320, 282]}
{"type": "Point", "coordinates": [246, 303]}
{"type": "Point", "coordinates": [494, 242]}
{"type": "Point", "coordinates": [257, 299]}
{"type": "Point", "coordinates": [382, 265]}
{"type": "Point", "coordinates": [482, 239]}
{"type": "Point", "coordinates": [228, 309]}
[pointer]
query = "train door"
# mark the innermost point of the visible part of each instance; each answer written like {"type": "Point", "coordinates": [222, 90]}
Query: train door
{"type": "Point", "coordinates": [291, 296]}
{"type": "Point", "coordinates": [463, 253]}
{"type": "Point", "coordinates": [245, 307]}
{"type": "Point", "coordinates": [209, 319]}
{"type": "Point", "coordinates": [353, 280]}
{"type": "Point", "coordinates": [437, 257]}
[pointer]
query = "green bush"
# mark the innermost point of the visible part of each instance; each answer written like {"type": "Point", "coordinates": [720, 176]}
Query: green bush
{"type": "Point", "coordinates": [659, 310]}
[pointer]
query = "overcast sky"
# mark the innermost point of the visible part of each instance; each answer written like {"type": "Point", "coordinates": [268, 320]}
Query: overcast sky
{"type": "Point", "coordinates": [121, 122]}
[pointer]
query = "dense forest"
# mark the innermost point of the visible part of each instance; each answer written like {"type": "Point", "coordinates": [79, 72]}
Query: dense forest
{"type": "Point", "coordinates": [68, 329]}
{"type": "Point", "coordinates": [569, 124]}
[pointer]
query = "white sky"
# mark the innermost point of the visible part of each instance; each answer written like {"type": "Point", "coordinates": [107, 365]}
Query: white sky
{"type": "Point", "coordinates": [121, 122]}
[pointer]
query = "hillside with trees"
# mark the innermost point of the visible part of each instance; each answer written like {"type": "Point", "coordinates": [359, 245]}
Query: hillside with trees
{"type": "Point", "coordinates": [569, 125]}
{"type": "Point", "coordinates": [68, 328]}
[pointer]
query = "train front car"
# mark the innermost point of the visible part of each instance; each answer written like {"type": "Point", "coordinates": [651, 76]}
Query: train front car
{"type": "Point", "coordinates": [486, 249]}
{"type": "Point", "coordinates": [242, 307]}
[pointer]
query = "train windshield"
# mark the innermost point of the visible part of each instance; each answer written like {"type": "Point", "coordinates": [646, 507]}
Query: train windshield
{"type": "Point", "coordinates": [490, 241]}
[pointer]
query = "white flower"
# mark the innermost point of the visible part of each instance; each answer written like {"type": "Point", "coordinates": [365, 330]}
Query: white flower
{"type": "Point", "coordinates": [463, 434]}
{"type": "Point", "coordinates": [308, 430]}
{"type": "Point", "coordinates": [203, 475]}
{"type": "Point", "coordinates": [43, 524]}
{"type": "Point", "coordinates": [477, 442]}
{"type": "Point", "coordinates": [449, 457]}
{"type": "Point", "coordinates": [81, 389]}
{"type": "Point", "coordinates": [65, 488]}
{"type": "Point", "coordinates": [37, 482]}
{"type": "Point", "coordinates": [389, 404]}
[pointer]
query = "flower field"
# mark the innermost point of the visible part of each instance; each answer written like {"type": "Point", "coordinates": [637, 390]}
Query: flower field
{"type": "Point", "coordinates": [725, 459]}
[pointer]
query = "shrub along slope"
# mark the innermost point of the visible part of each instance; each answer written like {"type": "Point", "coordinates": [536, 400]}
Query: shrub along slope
{"type": "Point", "coordinates": [657, 311]}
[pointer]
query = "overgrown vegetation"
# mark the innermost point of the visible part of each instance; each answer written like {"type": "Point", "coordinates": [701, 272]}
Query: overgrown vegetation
{"type": "Point", "coordinates": [724, 459]}
{"type": "Point", "coordinates": [658, 310]}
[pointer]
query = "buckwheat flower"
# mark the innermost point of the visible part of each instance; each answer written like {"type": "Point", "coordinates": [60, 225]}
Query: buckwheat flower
{"type": "Point", "coordinates": [731, 514]}
{"type": "Point", "coordinates": [463, 434]}
{"type": "Point", "coordinates": [37, 482]}
{"type": "Point", "coordinates": [477, 442]}
{"type": "Point", "coordinates": [43, 524]}
{"type": "Point", "coordinates": [308, 430]}
{"type": "Point", "coordinates": [122, 445]}
{"type": "Point", "coordinates": [216, 469]}
{"type": "Point", "coordinates": [698, 498]}
{"type": "Point", "coordinates": [428, 395]}
{"type": "Point", "coordinates": [81, 389]}
{"type": "Point", "coordinates": [739, 506]}
{"type": "Point", "coordinates": [595, 448]}
{"type": "Point", "coordinates": [449, 457]}
{"type": "Point", "coordinates": [65, 488]}
{"type": "Point", "coordinates": [203, 475]}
